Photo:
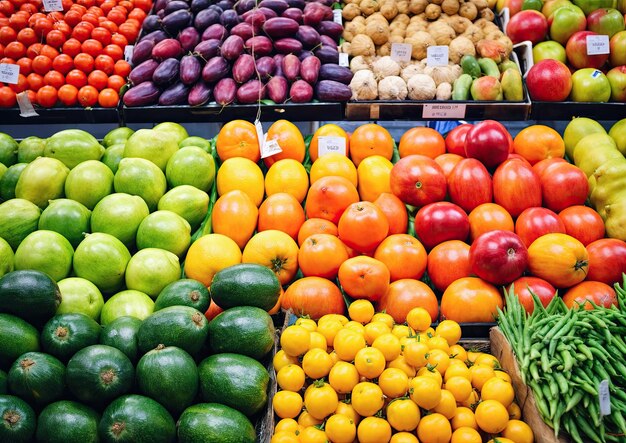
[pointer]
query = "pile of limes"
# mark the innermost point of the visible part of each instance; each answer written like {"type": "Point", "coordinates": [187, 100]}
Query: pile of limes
{"type": "Point", "coordinates": [367, 379]}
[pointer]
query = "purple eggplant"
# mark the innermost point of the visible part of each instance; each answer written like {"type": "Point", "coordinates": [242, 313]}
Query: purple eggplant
{"type": "Point", "coordinates": [144, 94]}
{"type": "Point", "coordinates": [278, 6]}
{"type": "Point", "coordinates": [167, 72]}
{"type": "Point", "coordinates": [268, 13]}
{"type": "Point", "coordinates": [176, 21]}
{"type": "Point", "coordinates": [327, 54]}
{"type": "Point", "coordinates": [143, 72]}
{"type": "Point", "coordinates": [215, 69]}
{"type": "Point", "coordinates": [251, 92]}
{"type": "Point", "coordinates": [255, 17]}
{"type": "Point", "coordinates": [232, 47]}
{"type": "Point", "coordinates": [174, 95]}
{"type": "Point", "coordinates": [259, 46]}
{"type": "Point", "coordinates": [265, 66]}
{"type": "Point", "coordinates": [190, 69]}
{"type": "Point", "coordinates": [206, 18]}
{"type": "Point", "coordinates": [304, 54]}
{"type": "Point", "coordinates": [199, 5]}
{"type": "Point", "coordinates": [244, 6]}
{"type": "Point", "coordinates": [159, 5]}
{"type": "Point", "coordinates": [301, 92]}
{"type": "Point", "coordinates": [294, 14]}
{"type": "Point", "coordinates": [291, 67]}
{"type": "Point", "coordinates": [332, 91]}
{"type": "Point", "coordinates": [208, 48]}
{"type": "Point", "coordinates": [225, 4]}
{"type": "Point", "coordinates": [216, 9]}
{"type": "Point", "coordinates": [310, 69]}
{"type": "Point", "coordinates": [151, 23]}
{"type": "Point", "coordinates": [188, 38]}
{"type": "Point", "coordinates": [288, 46]}
{"type": "Point", "coordinates": [308, 36]}
{"type": "Point", "coordinates": [155, 36]}
{"type": "Point", "coordinates": [168, 48]}
{"type": "Point", "coordinates": [175, 5]}
{"type": "Point", "coordinates": [299, 4]}
{"type": "Point", "coordinates": [142, 51]}
{"type": "Point", "coordinates": [215, 31]}
{"type": "Point", "coordinates": [199, 94]}
{"type": "Point", "coordinates": [328, 41]}
{"type": "Point", "coordinates": [278, 61]}
{"type": "Point", "coordinates": [225, 91]}
{"type": "Point", "coordinates": [331, 71]}
{"type": "Point", "coordinates": [243, 68]}
{"type": "Point", "coordinates": [280, 27]}
{"type": "Point", "coordinates": [331, 29]}
{"type": "Point", "coordinates": [229, 18]}
{"type": "Point", "coordinates": [243, 30]}
{"type": "Point", "coordinates": [315, 13]}
{"type": "Point", "coordinates": [277, 89]}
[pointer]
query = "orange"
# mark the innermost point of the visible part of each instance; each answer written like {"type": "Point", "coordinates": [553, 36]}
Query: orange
{"type": "Point", "coordinates": [489, 217]}
{"type": "Point", "coordinates": [281, 212]}
{"type": "Point", "coordinates": [209, 254]}
{"type": "Point", "coordinates": [395, 211]}
{"type": "Point", "coordinates": [242, 174]}
{"type": "Point", "coordinates": [288, 176]}
{"type": "Point", "coordinates": [334, 164]}
{"type": "Point", "coordinates": [289, 139]}
{"type": "Point", "coordinates": [373, 177]}
{"type": "Point", "coordinates": [328, 197]}
{"type": "Point", "coordinates": [328, 130]}
{"type": "Point", "coordinates": [538, 142]}
{"type": "Point", "coordinates": [370, 139]}
{"type": "Point", "coordinates": [316, 226]}
{"type": "Point", "coordinates": [235, 216]}
{"type": "Point", "coordinates": [276, 250]}
{"type": "Point", "coordinates": [422, 140]}
{"type": "Point", "coordinates": [238, 138]}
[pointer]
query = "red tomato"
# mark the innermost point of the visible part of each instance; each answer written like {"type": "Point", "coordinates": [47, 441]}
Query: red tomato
{"type": "Point", "coordinates": [439, 222]}
{"type": "Point", "coordinates": [418, 180]}
{"type": "Point", "coordinates": [455, 140]}
{"type": "Point", "coordinates": [469, 184]}
{"type": "Point", "coordinates": [448, 262]}
{"type": "Point", "coordinates": [363, 226]}
{"type": "Point", "coordinates": [532, 223]}
{"type": "Point", "coordinates": [488, 217]}
{"type": "Point", "coordinates": [599, 293]}
{"type": "Point", "coordinates": [516, 187]}
{"type": "Point", "coordinates": [313, 296]}
{"type": "Point", "coordinates": [582, 223]}
{"type": "Point", "coordinates": [563, 185]}
{"type": "Point", "coordinates": [489, 142]}
{"type": "Point", "coordinates": [541, 166]}
{"type": "Point", "coordinates": [607, 260]}
{"type": "Point", "coordinates": [523, 286]}
{"type": "Point", "coordinates": [447, 162]}
{"type": "Point", "coordinates": [406, 294]}
{"type": "Point", "coordinates": [470, 300]}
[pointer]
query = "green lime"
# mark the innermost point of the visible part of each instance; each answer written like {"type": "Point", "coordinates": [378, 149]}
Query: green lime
{"type": "Point", "coordinates": [117, 135]}
{"type": "Point", "coordinates": [152, 269]}
{"type": "Point", "coordinates": [137, 176]}
{"type": "Point", "coordinates": [67, 217]}
{"type": "Point", "coordinates": [6, 257]}
{"type": "Point", "coordinates": [8, 150]}
{"type": "Point", "coordinates": [191, 166]}
{"type": "Point", "coordinates": [112, 156]}
{"type": "Point", "coordinates": [153, 145]}
{"type": "Point", "coordinates": [45, 251]}
{"type": "Point", "coordinates": [190, 203]}
{"type": "Point", "coordinates": [119, 215]}
{"type": "Point", "coordinates": [89, 182]}
{"type": "Point", "coordinates": [30, 148]}
{"type": "Point", "coordinates": [164, 230]}
{"type": "Point", "coordinates": [196, 141]}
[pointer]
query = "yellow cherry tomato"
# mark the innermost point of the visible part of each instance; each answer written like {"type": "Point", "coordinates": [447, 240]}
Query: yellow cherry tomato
{"type": "Point", "coordinates": [403, 414]}
{"type": "Point", "coordinates": [305, 420]}
{"type": "Point", "coordinates": [367, 399]}
{"type": "Point", "coordinates": [347, 410]}
{"type": "Point", "coordinates": [450, 330]}
{"type": "Point", "coordinates": [491, 416]}
{"type": "Point", "coordinates": [347, 343]}
{"type": "Point", "coordinates": [472, 400]}
{"type": "Point", "coordinates": [361, 311]}
{"type": "Point", "coordinates": [425, 391]}
{"type": "Point", "coordinates": [419, 319]}
{"type": "Point", "coordinates": [284, 437]}
{"type": "Point", "coordinates": [281, 359]}
{"type": "Point", "coordinates": [472, 356]}
{"type": "Point", "coordinates": [307, 323]}
{"type": "Point", "coordinates": [459, 387]}
{"type": "Point", "coordinates": [316, 363]}
{"type": "Point", "coordinates": [318, 341]}
{"type": "Point", "coordinates": [438, 359]}
{"type": "Point", "coordinates": [343, 377]}
{"type": "Point", "coordinates": [519, 432]}
{"type": "Point", "coordinates": [503, 375]}
{"type": "Point", "coordinates": [291, 378]}
{"type": "Point", "coordinates": [385, 318]}
{"type": "Point", "coordinates": [312, 434]}
{"type": "Point", "coordinates": [374, 330]}
{"type": "Point", "coordinates": [501, 440]}
{"type": "Point", "coordinates": [295, 340]}
{"type": "Point", "coordinates": [403, 437]}
{"type": "Point", "coordinates": [457, 369]}
{"type": "Point", "coordinates": [463, 418]}
{"type": "Point", "coordinates": [321, 400]}
{"type": "Point", "coordinates": [334, 357]}
{"type": "Point", "coordinates": [356, 327]}
{"type": "Point", "coordinates": [439, 343]}
{"type": "Point", "coordinates": [340, 429]}
{"type": "Point", "coordinates": [401, 331]}
{"type": "Point", "coordinates": [515, 412]}
{"type": "Point", "coordinates": [370, 362]}
{"type": "Point", "coordinates": [286, 425]}
{"type": "Point", "coordinates": [329, 329]}
{"type": "Point", "coordinates": [374, 430]}
{"type": "Point", "coordinates": [434, 428]}
{"type": "Point", "coordinates": [497, 389]}
{"type": "Point", "coordinates": [287, 404]}
{"type": "Point", "coordinates": [401, 363]}
{"type": "Point", "coordinates": [480, 374]}
{"type": "Point", "coordinates": [488, 360]}
{"type": "Point", "coordinates": [341, 318]}
{"type": "Point", "coordinates": [431, 373]}
{"type": "Point", "coordinates": [389, 345]}
{"type": "Point", "coordinates": [458, 352]}
{"type": "Point", "coordinates": [415, 354]}
{"type": "Point", "coordinates": [446, 405]}
{"type": "Point", "coordinates": [393, 382]}
{"type": "Point", "coordinates": [466, 435]}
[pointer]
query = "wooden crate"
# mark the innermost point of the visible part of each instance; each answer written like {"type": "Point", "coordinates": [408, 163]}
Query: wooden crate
{"type": "Point", "coordinates": [502, 350]}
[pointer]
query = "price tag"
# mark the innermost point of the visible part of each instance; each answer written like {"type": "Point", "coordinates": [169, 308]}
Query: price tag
{"type": "Point", "coordinates": [598, 44]}
{"type": "Point", "coordinates": [604, 397]}
{"type": "Point", "coordinates": [436, 111]}
{"type": "Point", "coordinates": [328, 145]}
{"type": "Point", "coordinates": [401, 52]}
{"type": "Point", "coordinates": [270, 147]}
{"type": "Point", "coordinates": [337, 18]}
{"type": "Point", "coordinates": [52, 5]}
{"type": "Point", "coordinates": [437, 56]}
{"type": "Point", "coordinates": [128, 52]}
{"type": "Point", "coordinates": [9, 73]}
{"type": "Point", "coordinates": [343, 59]}
{"type": "Point", "coordinates": [259, 134]}
{"type": "Point", "coordinates": [26, 107]}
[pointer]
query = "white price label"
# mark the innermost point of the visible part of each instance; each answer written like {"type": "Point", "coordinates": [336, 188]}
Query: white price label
{"type": "Point", "coordinates": [259, 134]}
{"type": "Point", "coordinates": [604, 397]}
{"type": "Point", "coordinates": [337, 18]}
{"type": "Point", "coordinates": [329, 145]}
{"type": "Point", "coordinates": [9, 73]}
{"type": "Point", "coordinates": [343, 59]}
{"type": "Point", "coordinates": [598, 44]}
{"type": "Point", "coordinates": [52, 5]}
{"type": "Point", "coordinates": [437, 111]}
{"type": "Point", "coordinates": [128, 52]}
{"type": "Point", "coordinates": [270, 147]}
{"type": "Point", "coordinates": [437, 56]}
{"type": "Point", "coordinates": [26, 107]}
{"type": "Point", "coordinates": [401, 52]}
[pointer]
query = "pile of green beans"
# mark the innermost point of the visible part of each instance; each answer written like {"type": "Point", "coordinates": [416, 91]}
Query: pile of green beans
{"type": "Point", "coordinates": [564, 354]}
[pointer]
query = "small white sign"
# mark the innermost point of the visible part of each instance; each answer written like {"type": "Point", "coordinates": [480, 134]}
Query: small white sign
{"type": "Point", "coordinates": [9, 73]}
{"type": "Point", "coordinates": [259, 134]}
{"type": "Point", "coordinates": [26, 107]}
{"type": "Point", "coordinates": [436, 111]}
{"type": "Point", "coordinates": [598, 44]}
{"type": "Point", "coordinates": [337, 18]}
{"type": "Point", "coordinates": [270, 147]}
{"type": "Point", "coordinates": [329, 144]}
{"type": "Point", "coordinates": [437, 56]}
{"type": "Point", "coordinates": [343, 59]}
{"type": "Point", "coordinates": [128, 52]}
{"type": "Point", "coordinates": [52, 5]}
{"type": "Point", "coordinates": [401, 52]}
{"type": "Point", "coordinates": [604, 397]}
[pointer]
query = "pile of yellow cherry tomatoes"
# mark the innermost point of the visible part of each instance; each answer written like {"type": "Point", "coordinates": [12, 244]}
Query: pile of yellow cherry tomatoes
{"type": "Point", "coordinates": [366, 379]}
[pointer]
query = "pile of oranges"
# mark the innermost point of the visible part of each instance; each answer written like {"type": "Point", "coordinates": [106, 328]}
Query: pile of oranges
{"type": "Point", "coordinates": [74, 56]}
{"type": "Point", "coordinates": [368, 379]}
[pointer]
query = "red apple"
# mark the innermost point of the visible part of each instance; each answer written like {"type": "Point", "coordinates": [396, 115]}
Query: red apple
{"type": "Point", "coordinates": [455, 140]}
{"type": "Point", "coordinates": [565, 22]}
{"type": "Point", "coordinates": [536, 222]}
{"type": "Point", "coordinates": [469, 184]}
{"type": "Point", "coordinates": [418, 180]}
{"type": "Point", "coordinates": [582, 223]}
{"type": "Point", "coordinates": [523, 286]}
{"type": "Point", "coordinates": [488, 142]}
{"type": "Point", "coordinates": [549, 80]}
{"type": "Point", "coordinates": [498, 257]}
{"type": "Point", "coordinates": [527, 25]}
{"type": "Point", "coordinates": [576, 50]}
{"type": "Point", "coordinates": [607, 21]}
{"type": "Point", "coordinates": [617, 45]}
{"type": "Point", "coordinates": [563, 185]}
{"type": "Point", "coordinates": [607, 260]}
{"type": "Point", "coordinates": [617, 80]}
{"type": "Point", "coordinates": [516, 187]}
{"type": "Point", "coordinates": [439, 222]}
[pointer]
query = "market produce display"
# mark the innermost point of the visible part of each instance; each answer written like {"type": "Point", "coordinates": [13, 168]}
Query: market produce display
{"type": "Point", "coordinates": [568, 357]}
{"type": "Point", "coordinates": [580, 46]}
{"type": "Point", "coordinates": [194, 53]}
{"type": "Point", "coordinates": [71, 54]}
{"type": "Point", "coordinates": [404, 382]}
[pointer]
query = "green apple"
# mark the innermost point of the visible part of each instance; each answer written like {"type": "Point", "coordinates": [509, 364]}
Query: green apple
{"type": "Point", "coordinates": [549, 49]}
{"type": "Point", "coordinates": [590, 85]}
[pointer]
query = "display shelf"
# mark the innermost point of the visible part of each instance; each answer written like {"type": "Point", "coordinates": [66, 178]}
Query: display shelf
{"type": "Point", "coordinates": [567, 110]}
{"type": "Point", "coordinates": [67, 116]}
{"type": "Point", "coordinates": [218, 113]}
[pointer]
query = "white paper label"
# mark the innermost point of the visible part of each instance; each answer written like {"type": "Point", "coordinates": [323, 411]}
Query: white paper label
{"type": "Point", "coordinates": [259, 134]}
{"type": "Point", "coordinates": [343, 59]}
{"type": "Point", "coordinates": [604, 397]}
{"type": "Point", "coordinates": [598, 44]}
{"type": "Point", "coordinates": [128, 52]}
{"type": "Point", "coordinates": [270, 147]}
{"type": "Point", "coordinates": [435, 111]}
{"type": "Point", "coordinates": [328, 145]}
{"type": "Point", "coordinates": [337, 18]}
{"type": "Point", "coordinates": [401, 52]}
{"type": "Point", "coordinates": [437, 56]}
{"type": "Point", "coordinates": [26, 107]}
{"type": "Point", "coordinates": [52, 5]}
{"type": "Point", "coordinates": [9, 73]}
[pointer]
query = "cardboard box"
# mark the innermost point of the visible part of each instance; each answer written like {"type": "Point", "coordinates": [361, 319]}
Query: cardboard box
{"type": "Point", "coordinates": [502, 350]}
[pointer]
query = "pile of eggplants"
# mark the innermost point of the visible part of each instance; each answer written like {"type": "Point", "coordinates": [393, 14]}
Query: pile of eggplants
{"type": "Point", "coordinates": [198, 51]}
